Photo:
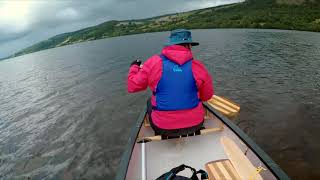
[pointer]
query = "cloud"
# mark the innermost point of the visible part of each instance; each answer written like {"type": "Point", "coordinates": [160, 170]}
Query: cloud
{"type": "Point", "coordinates": [68, 13]}
{"type": "Point", "coordinates": [25, 22]}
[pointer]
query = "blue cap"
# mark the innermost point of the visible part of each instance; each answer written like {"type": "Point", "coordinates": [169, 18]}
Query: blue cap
{"type": "Point", "coordinates": [180, 36]}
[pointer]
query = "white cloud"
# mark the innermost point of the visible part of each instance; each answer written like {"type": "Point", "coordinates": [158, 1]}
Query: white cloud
{"type": "Point", "coordinates": [68, 13]}
{"type": "Point", "coordinates": [12, 16]}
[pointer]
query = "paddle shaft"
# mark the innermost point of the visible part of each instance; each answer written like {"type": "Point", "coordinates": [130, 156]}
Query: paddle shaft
{"type": "Point", "coordinates": [143, 161]}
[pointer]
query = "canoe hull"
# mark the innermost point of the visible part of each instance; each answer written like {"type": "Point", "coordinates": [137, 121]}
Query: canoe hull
{"type": "Point", "coordinates": [196, 151]}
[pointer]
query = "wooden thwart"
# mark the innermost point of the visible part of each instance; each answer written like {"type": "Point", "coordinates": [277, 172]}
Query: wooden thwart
{"type": "Point", "coordinates": [159, 138]}
{"type": "Point", "coordinates": [221, 170]}
{"type": "Point", "coordinates": [240, 162]}
{"type": "Point", "coordinates": [224, 106]}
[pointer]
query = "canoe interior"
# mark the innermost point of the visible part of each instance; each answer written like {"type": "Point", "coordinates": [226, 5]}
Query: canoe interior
{"type": "Point", "coordinates": [196, 151]}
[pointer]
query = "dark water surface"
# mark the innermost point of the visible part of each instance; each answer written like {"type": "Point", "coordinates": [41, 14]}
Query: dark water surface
{"type": "Point", "coordinates": [65, 112]}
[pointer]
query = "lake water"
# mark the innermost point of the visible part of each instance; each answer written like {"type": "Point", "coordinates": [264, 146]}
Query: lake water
{"type": "Point", "coordinates": [66, 113]}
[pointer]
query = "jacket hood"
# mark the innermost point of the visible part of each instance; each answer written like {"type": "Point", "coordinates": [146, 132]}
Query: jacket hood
{"type": "Point", "coordinates": [177, 54]}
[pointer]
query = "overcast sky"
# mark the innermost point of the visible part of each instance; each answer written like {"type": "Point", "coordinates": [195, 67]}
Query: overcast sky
{"type": "Point", "coordinates": [25, 22]}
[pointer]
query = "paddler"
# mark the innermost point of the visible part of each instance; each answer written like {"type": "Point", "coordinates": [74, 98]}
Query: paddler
{"type": "Point", "coordinates": [178, 83]}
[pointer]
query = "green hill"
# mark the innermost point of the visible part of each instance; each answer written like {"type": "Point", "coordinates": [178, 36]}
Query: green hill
{"type": "Point", "coordinates": [267, 14]}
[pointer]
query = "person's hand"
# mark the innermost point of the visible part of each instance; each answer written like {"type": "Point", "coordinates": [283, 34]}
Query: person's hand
{"type": "Point", "coordinates": [136, 62]}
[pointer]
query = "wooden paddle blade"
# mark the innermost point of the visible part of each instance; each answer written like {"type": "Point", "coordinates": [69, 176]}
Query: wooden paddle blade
{"type": "Point", "coordinates": [224, 106]}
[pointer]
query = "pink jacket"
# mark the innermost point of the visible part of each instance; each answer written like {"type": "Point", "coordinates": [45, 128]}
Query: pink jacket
{"type": "Point", "coordinates": [149, 75]}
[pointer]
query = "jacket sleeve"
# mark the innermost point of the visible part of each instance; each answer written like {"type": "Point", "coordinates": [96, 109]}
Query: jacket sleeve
{"type": "Point", "coordinates": [203, 80]}
{"type": "Point", "coordinates": [137, 79]}
{"type": "Point", "coordinates": [140, 78]}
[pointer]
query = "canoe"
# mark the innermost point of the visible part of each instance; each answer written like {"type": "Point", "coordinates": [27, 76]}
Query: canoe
{"type": "Point", "coordinates": [222, 149]}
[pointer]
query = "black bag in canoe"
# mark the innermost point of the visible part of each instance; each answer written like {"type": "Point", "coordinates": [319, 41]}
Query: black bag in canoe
{"type": "Point", "coordinates": [172, 174]}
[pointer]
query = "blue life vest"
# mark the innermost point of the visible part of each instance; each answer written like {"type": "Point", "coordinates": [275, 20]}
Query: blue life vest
{"type": "Point", "coordinates": [177, 89]}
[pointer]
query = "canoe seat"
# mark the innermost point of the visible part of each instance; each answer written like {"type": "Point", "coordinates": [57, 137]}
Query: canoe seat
{"type": "Point", "coordinates": [221, 170]}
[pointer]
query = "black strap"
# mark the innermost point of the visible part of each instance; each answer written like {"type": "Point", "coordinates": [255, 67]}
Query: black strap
{"type": "Point", "coordinates": [173, 172]}
{"type": "Point", "coordinates": [204, 175]}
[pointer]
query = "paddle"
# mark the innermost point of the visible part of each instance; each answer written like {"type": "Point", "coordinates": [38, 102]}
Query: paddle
{"type": "Point", "coordinates": [224, 106]}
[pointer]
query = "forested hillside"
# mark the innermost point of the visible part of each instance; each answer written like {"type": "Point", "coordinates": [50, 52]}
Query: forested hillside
{"type": "Point", "coordinates": [267, 14]}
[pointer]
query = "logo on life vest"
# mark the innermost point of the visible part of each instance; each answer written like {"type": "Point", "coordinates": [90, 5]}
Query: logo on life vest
{"type": "Point", "coordinates": [176, 68]}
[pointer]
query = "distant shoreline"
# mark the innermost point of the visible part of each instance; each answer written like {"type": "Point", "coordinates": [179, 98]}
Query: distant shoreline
{"type": "Point", "coordinates": [250, 14]}
{"type": "Point", "coordinates": [285, 30]}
